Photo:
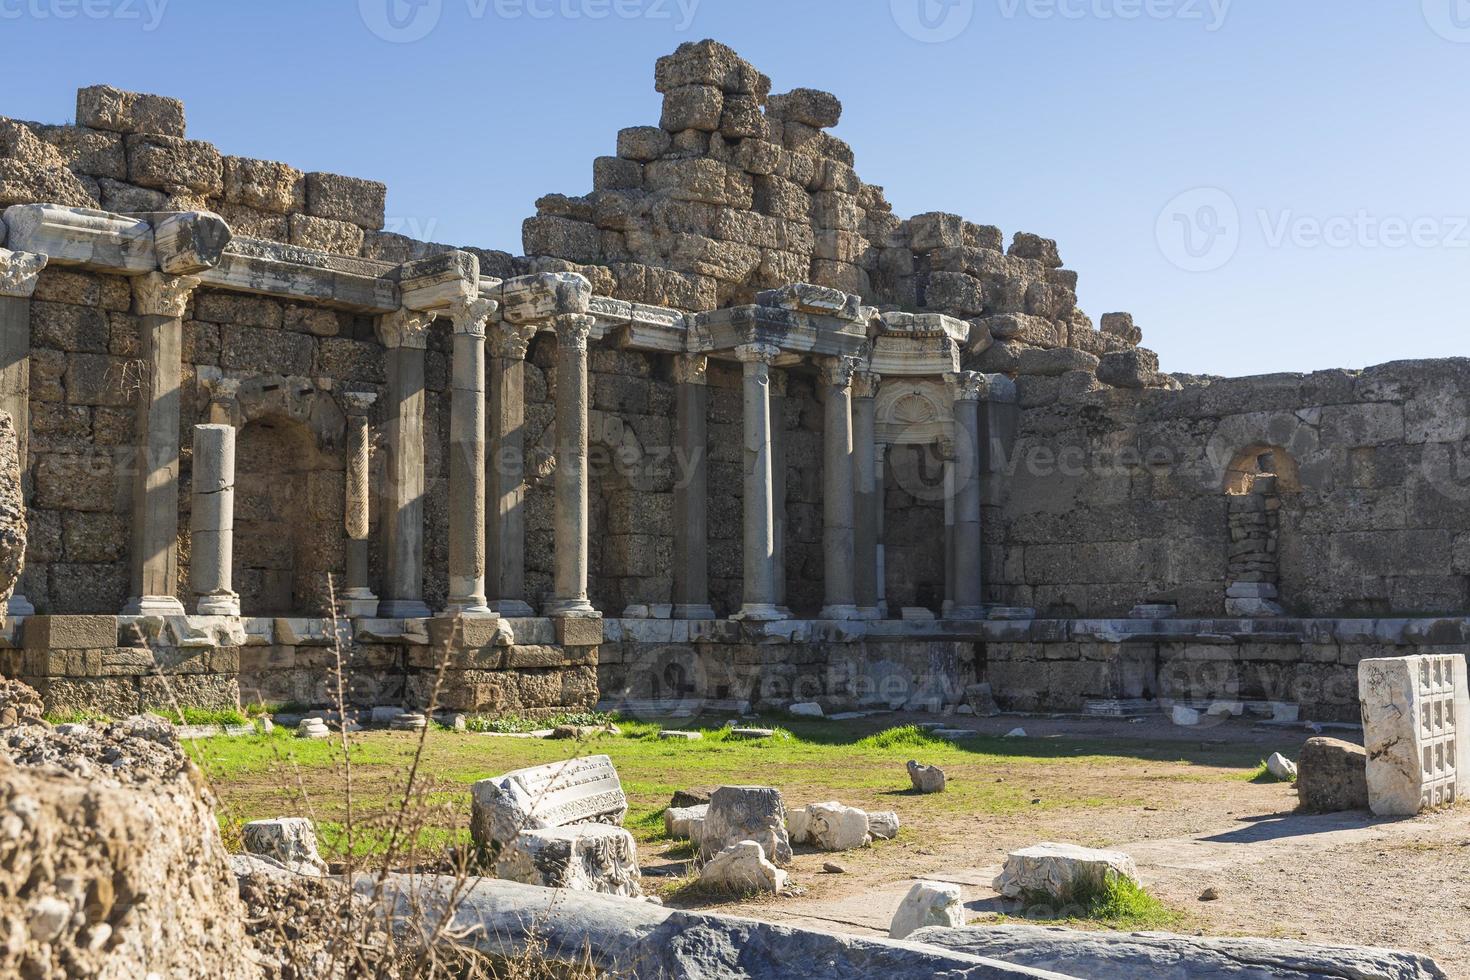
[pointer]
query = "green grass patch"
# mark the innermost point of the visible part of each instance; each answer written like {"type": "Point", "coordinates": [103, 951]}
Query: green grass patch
{"type": "Point", "coordinates": [518, 726]}
{"type": "Point", "coordinates": [205, 716]}
{"type": "Point", "coordinates": [1117, 903]}
{"type": "Point", "coordinates": [906, 736]}
{"type": "Point", "coordinates": [77, 718]}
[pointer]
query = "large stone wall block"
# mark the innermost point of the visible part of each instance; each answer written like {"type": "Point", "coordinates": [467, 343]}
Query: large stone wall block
{"type": "Point", "coordinates": [1412, 709]}
{"type": "Point", "coordinates": [693, 107]}
{"type": "Point", "coordinates": [105, 107]}
{"type": "Point", "coordinates": [709, 62]}
{"type": "Point", "coordinates": [169, 162]}
{"type": "Point", "coordinates": [264, 185]}
{"type": "Point", "coordinates": [820, 110]}
{"type": "Point", "coordinates": [643, 143]}
{"type": "Point", "coordinates": [351, 199]}
{"type": "Point", "coordinates": [70, 632]}
{"type": "Point", "coordinates": [325, 234]}
{"type": "Point", "coordinates": [1028, 246]}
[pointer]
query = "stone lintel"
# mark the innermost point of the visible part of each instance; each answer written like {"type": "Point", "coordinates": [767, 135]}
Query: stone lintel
{"type": "Point", "coordinates": [912, 356]}
{"type": "Point", "coordinates": [538, 298]}
{"type": "Point", "coordinates": [924, 325]}
{"type": "Point", "coordinates": [803, 297]}
{"type": "Point", "coordinates": [19, 272]}
{"type": "Point", "coordinates": [187, 242]}
{"type": "Point", "coordinates": [305, 275]}
{"type": "Point", "coordinates": [82, 236]}
{"type": "Point", "coordinates": [640, 326]}
{"type": "Point", "coordinates": [439, 281]}
{"type": "Point", "coordinates": [720, 331]}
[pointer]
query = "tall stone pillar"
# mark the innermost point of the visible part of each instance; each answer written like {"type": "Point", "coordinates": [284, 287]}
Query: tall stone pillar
{"type": "Point", "coordinates": [358, 599]}
{"type": "Point", "coordinates": [569, 584]}
{"type": "Point", "coordinates": [946, 451]}
{"type": "Point", "coordinates": [212, 521]}
{"type": "Point", "coordinates": [778, 379]}
{"type": "Point", "coordinates": [968, 388]}
{"type": "Point", "coordinates": [160, 301]}
{"type": "Point", "coordinates": [18, 274]}
{"type": "Point", "coordinates": [691, 492]}
{"type": "Point", "coordinates": [509, 344]}
{"type": "Point", "coordinates": [838, 551]}
{"type": "Point", "coordinates": [467, 459]}
{"type": "Point", "coordinates": [868, 500]}
{"type": "Point", "coordinates": [405, 334]}
{"type": "Point", "coordinates": [759, 602]}
{"type": "Point", "coordinates": [880, 469]}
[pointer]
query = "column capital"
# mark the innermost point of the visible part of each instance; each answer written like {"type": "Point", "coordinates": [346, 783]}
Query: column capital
{"type": "Point", "coordinates": [470, 316]}
{"type": "Point", "coordinates": [156, 294]}
{"type": "Point", "coordinates": [838, 371]}
{"type": "Point", "coordinates": [865, 384]}
{"type": "Point", "coordinates": [19, 272]}
{"type": "Point", "coordinates": [757, 354]}
{"type": "Point", "coordinates": [405, 328]}
{"type": "Point", "coordinates": [691, 369]}
{"type": "Point", "coordinates": [967, 386]}
{"type": "Point", "coordinates": [358, 403]}
{"type": "Point", "coordinates": [573, 330]}
{"type": "Point", "coordinates": [510, 341]}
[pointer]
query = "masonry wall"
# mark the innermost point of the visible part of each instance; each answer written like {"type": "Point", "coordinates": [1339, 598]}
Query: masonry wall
{"type": "Point", "coordinates": [1116, 499]}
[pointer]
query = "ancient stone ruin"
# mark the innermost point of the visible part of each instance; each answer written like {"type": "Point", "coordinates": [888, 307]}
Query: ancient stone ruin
{"type": "Point", "coordinates": [730, 433]}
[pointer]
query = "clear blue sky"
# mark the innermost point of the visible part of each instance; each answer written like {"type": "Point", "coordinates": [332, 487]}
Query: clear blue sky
{"type": "Point", "coordinates": [1083, 120]}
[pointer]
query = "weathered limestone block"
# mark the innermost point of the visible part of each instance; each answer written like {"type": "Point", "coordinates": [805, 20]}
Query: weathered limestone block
{"type": "Point", "coordinates": [883, 825]}
{"type": "Point", "coordinates": [679, 821]}
{"type": "Point", "coordinates": [559, 794]}
{"type": "Point", "coordinates": [746, 813]}
{"type": "Point", "coordinates": [190, 242]}
{"type": "Point", "coordinates": [957, 292]}
{"type": "Point", "coordinates": [829, 826]}
{"type": "Point", "coordinates": [585, 858]}
{"type": "Point", "coordinates": [926, 779]}
{"type": "Point", "coordinates": [87, 151]}
{"type": "Point", "coordinates": [709, 63]}
{"type": "Point", "coordinates": [1121, 325]}
{"type": "Point", "coordinates": [935, 230]}
{"type": "Point", "coordinates": [742, 867]}
{"type": "Point", "coordinates": [692, 107]}
{"type": "Point", "coordinates": [643, 143]}
{"type": "Point", "coordinates": [32, 170]}
{"type": "Point", "coordinates": [289, 840]}
{"type": "Point", "coordinates": [1411, 729]}
{"type": "Point", "coordinates": [1154, 955]}
{"type": "Point", "coordinates": [1055, 362]}
{"type": "Point", "coordinates": [1028, 246]}
{"type": "Point", "coordinates": [104, 107]}
{"type": "Point", "coordinates": [350, 199]}
{"type": "Point", "coordinates": [928, 904]}
{"type": "Point", "coordinates": [536, 298]}
{"type": "Point", "coordinates": [1132, 368]}
{"type": "Point", "coordinates": [264, 185]}
{"type": "Point", "coordinates": [1061, 871]}
{"type": "Point", "coordinates": [575, 241]}
{"type": "Point", "coordinates": [12, 510]}
{"type": "Point", "coordinates": [170, 162]}
{"type": "Point", "coordinates": [1332, 776]}
{"type": "Point", "coordinates": [326, 234]}
{"type": "Point", "coordinates": [820, 110]}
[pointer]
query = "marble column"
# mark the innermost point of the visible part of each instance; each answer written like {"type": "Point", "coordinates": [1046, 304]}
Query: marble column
{"type": "Point", "coordinates": [778, 379]}
{"type": "Point", "coordinates": [19, 272]}
{"type": "Point", "coordinates": [509, 344]}
{"type": "Point", "coordinates": [880, 470]}
{"type": "Point", "coordinates": [467, 459]}
{"type": "Point", "coordinates": [212, 521]}
{"type": "Point", "coordinates": [160, 301]}
{"type": "Point", "coordinates": [946, 453]}
{"type": "Point", "coordinates": [358, 600]}
{"type": "Point", "coordinates": [968, 388]}
{"type": "Point", "coordinates": [691, 491]}
{"type": "Point", "coordinates": [868, 500]}
{"type": "Point", "coordinates": [405, 334]}
{"type": "Point", "coordinates": [569, 581]}
{"type": "Point", "coordinates": [759, 601]}
{"type": "Point", "coordinates": [838, 550]}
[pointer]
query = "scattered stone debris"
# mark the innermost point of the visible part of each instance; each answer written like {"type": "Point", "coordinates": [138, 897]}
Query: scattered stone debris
{"type": "Point", "coordinates": [1281, 767]}
{"type": "Point", "coordinates": [19, 704]}
{"type": "Point", "coordinates": [1015, 733]}
{"type": "Point", "coordinates": [1210, 895]}
{"type": "Point", "coordinates": [832, 868]}
{"type": "Point", "coordinates": [684, 798]}
{"type": "Point", "coordinates": [558, 794]}
{"type": "Point", "coordinates": [829, 826]}
{"type": "Point", "coordinates": [288, 840]}
{"type": "Point", "coordinates": [928, 903]}
{"type": "Point", "coordinates": [883, 825]}
{"type": "Point", "coordinates": [313, 728]}
{"type": "Point", "coordinates": [742, 867]}
{"type": "Point", "coordinates": [680, 822]}
{"type": "Point", "coordinates": [926, 779]}
{"type": "Point", "coordinates": [1061, 871]}
{"type": "Point", "coordinates": [673, 735]}
{"type": "Point", "coordinates": [753, 733]}
{"type": "Point", "coordinates": [808, 709]}
{"type": "Point", "coordinates": [746, 813]}
{"type": "Point", "coordinates": [585, 857]}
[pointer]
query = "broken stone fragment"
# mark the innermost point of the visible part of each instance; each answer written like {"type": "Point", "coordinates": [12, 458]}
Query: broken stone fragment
{"type": "Point", "coordinates": [1331, 776]}
{"type": "Point", "coordinates": [746, 813]}
{"type": "Point", "coordinates": [928, 903]}
{"type": "Point", "coordinates": [539, 297]}
{"type": "Point", "coordinates": [677, 820]}
{"type": "Point", "coordinates": [1121, 325]}
{"type": "Point", "coordinates": [926, 779]}
{"type": "Point", "coordinates": [820, 110]}
{"type": "Point", "coordinates": [742, 867]}
{"type": "Point", "coordinates": [585, 858]}
{"type": "Point", "coordinates": [189, 242]}
{"type": "Point", "coordinates": [1411, 730]}
{"type": "Point", "coordinates": [883, 825]}
{"type": "Point", "coordinates": [289, 840]}
{"type": "Point", "coordinates": [829, 826]}
{"type": "Point", "coordinates": [105, 107]}
{"type": "Point", "coordinates": [1132, 368]}
{"type": "Point", "coordinates": [805, 297]}
{"type": "Point", "coordinates": [1028, 246]}
{"type": "Point", "coordinates": [1061, 871]}
{"type": "Point", "coordinates": [1281, 767]}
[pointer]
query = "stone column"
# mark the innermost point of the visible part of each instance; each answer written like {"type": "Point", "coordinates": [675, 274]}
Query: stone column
{"type": "Point", "coordinates": [509, 344]}
{"type": "Point", "coordinates": [358, 600]}
{"type": "Point", "coordinates": [467, 460]}
{"type": "Point", "coordinates": [405, 334]}
{"type": "Point", "coordinates": [838, 550]}
{"type": "Point", "coordinates": [759, 601]}
{"type": "Point", "coordinates": [946, 452]}
{"type": "Point", "coordinates": [880, 470]}
{"type": "Point", "coordinates": [569, 585]}
{"type": "Point", "coordinates": [212, 521]}
{"type": "Point", "coordinates": [778, 380]}
{"type": "Point", "coordinates": [18, 274]}
{"type": "Point", "coordinates": [868, 501]}
{"type": "Point", "coordinates": [968, 388]}
{"type": "Point", "coordinates": [691, 491]}
{"type": "Point", "coordinates": [160, 301]}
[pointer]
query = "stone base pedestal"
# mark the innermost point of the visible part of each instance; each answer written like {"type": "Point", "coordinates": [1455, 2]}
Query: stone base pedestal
{"type": "Point", "coordinates": [966, 612]}
{"type": "Point", "coordinates": [223, 604]}
{"type": "Point", "coordinates": [513, 609]}
{"type": "Point", "coordinates": [359, 604]}
{"type": "Point", "coordinates": [403, 609]}
{"type": "Point", "coordinates": [468, 608]}
{"type": "Point", "coordinates": [760, 613]}
{"type": "Point", "coordinates": [154, 605]}
{"type": "Point", "coordinates": [694, 612]}
{"type": "Point", "coordinates": [840, 612]}
{"type": "Point", "coordinates": [574, 608]}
